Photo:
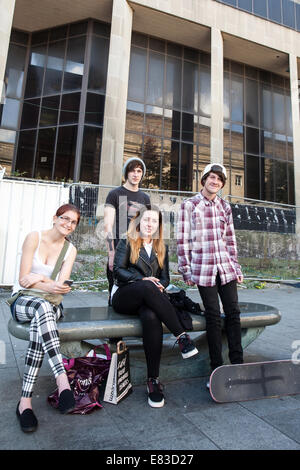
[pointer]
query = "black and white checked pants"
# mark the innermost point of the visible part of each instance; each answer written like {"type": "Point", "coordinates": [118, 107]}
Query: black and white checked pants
{"type": "Point", "coordinates": [44, 338]}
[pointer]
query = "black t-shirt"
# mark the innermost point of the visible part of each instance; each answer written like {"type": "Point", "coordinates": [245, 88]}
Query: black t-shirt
{"type": "Point", "coordinates": [126, 203]}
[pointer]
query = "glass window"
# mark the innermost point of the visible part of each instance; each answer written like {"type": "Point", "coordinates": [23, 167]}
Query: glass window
{"type": "Point", "coordinates": [230, 2]}
{"type": "Point", "coordinates": [266, 143]}
{"type": "Point", "coordinates": [133, 145]}
{"type": "Point", "coordinates": [35, 72]}
{"type": "Point", "coordinates": [7, 145]}
{"type": "Point", "coordinates": [226, 97]}
{"type": "Point", "coordinates": [252, 140]}
{"type": "Point", "coordinates": [135, 117]}
{"type": "Point", "coordinates": [275, 10]}
{"type": "Point", "coordinates": [245, 5]}
{"type": "Point", "coordinates": [266, 108]}
{"type": "Point", "coordinates": [54, 68]}
{"type": "Point", "coordinates": [227, 136]}
{"type": "Point", "coordinates": [252, 179]}
{"type": "Point", "coordinates": [70, 108]}
{"type": "Point", "coordinates": [45, 153]}
{"type": "Point", "coordinates": [204, 131]}
{"type": "Point", "coordinates": [278, 111]}
{"type": "Point", "coordinates": [291, 183]}
{"type": "Point", "coordinates": [78, 28]}
{"type": "Point", "coordinates": [173, 83]}
{"type": "Point", "coordinates": [205, 92]}
{"type": "Point", "coordinates": [290, 149]}
{"type": "Point", "coordinates": [19, 37]}
{"type": "Point", "coordinates": [10, 114]}
{"type": "Point", "coordinates": [170, 165]}
{"type": "Point", "coordinates": [154, 120]}
{"type": "Point", "coordinates": [251, 102]}
{"type": "Point", "coordinates": [49, 111]}
{"type": "Point", "coordinates": [25, 155]}
{"type": "Point", "coordinates": [188, 131]}
{"type": "Point", "coordinates": [14, 73]}
{"type": "Point", "coordinates": [98, 64]}
{"type": "Point", "coordinates": [260, 8]}
{"type": "Point", "coordinates": [190, 87]}
{"type": "Point", "coordinates": [297, 17]}
{"type": "Point", "coordinates": [103, 29]}
{"type": "Point", "coordinates": [268, 192]}
{"type": "Point", "coordinates": [288, 13]}
{"type": "Point", "coordinates": [174, 49]}
{"type": "Point", "coordinates": [157, 45]}
{"type": "Point", "coordinates": [281, 182]}
{"type": "Point", "coordinates": [39, 37]}
{"type": "Point", "coordinates": [237, 138]}
{"type": "Point", "coordinates": [280, 148]}
{"type": "Point", "coordinates": [152, 158]}
{"type": "Point", "coordinates": [138, 39]}
{"type": "Point", "coordinates": [137, 75]}
{"type": "Point", "coordinates": [155, 79]}
{"type": "Point", "coordinates": [237, 107]}
{"type": "Point", "coordinates": [58, 33]}
{"type": "Point", "coordinates": [94, 111]}
{"type": "Point", "coordinates": [91, 155]}
{"type": "Point", "coordinates": [289, 124]}
{"type": "Point", "coordinates": [30, 113]}
{"type": "Point", "coordinates": [186, 167]}
{"type": "Point", "coordinates": [65, 153]}
{"type": "Point", "coordinates": [74, 64]}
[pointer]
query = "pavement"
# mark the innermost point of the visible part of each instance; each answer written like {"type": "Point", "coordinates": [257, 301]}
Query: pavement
{"type": "Point", "coordinates": [189, 421]}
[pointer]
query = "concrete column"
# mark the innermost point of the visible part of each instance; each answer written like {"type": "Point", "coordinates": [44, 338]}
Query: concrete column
{"type": "Point", "coordinates": [216, 141]}
{"type": "Point", "coordinates": [116, 94]}
{"type": "Point", "coordinates": [296, 137]}
{"type": "Point", "coordinates": [7, 8]}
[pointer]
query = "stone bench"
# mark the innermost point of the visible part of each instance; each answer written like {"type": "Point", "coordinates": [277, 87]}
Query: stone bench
{"type": "Point", "coordinates": [82, 324]}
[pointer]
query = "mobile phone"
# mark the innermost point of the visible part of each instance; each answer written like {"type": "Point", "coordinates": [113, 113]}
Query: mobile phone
{"type": "Point", "coordinates": [68, 282]}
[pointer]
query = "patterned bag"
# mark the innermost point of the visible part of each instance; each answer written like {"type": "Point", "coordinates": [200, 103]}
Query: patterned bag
{"type": "Point", "coordinates": [85, 375]}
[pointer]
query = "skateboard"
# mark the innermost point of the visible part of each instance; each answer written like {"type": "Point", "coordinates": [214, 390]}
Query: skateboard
{"type": "Point", "coordinates": [253, 381]}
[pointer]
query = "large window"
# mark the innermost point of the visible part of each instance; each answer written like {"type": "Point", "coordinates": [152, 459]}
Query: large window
{"type": "Point", "coordinates": [168, 112]}
{"type": "Point", "coordinates": [258, 143]}
{"type": "Point", "coordinates": [12, 96]}
{"type": "Point", "coordinates": [62, 114]}
{"type": "Point", "coordinates": [284, 12]}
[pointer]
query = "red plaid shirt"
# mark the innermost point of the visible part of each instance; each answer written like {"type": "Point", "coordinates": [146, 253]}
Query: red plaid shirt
{"type": "Point", "coordinates": [206, 241]}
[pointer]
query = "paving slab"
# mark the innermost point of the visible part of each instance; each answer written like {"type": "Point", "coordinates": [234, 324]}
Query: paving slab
{"type": "Point", "coordinates": [189, 421]}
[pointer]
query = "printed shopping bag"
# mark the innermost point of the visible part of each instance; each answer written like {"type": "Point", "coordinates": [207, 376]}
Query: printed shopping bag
{"type": "Point", "coordinates": [118, 385]}
{"type": "Point", "coordinates": [86, 375]}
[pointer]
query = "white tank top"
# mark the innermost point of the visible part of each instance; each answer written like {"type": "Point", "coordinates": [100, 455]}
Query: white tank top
{"type": "Point", "coordinates": [40, 268]}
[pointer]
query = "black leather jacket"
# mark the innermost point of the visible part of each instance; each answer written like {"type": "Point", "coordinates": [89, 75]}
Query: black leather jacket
{"type": "Point", "coordinates": [124, 271]}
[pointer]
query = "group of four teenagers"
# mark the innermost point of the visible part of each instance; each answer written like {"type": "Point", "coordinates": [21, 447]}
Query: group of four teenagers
{"type": "Point", "coordinates": [138, 274]}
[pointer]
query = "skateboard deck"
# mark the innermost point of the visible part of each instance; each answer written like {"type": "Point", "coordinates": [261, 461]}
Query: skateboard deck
{"type": "Point", "coordinates": [253, 381]}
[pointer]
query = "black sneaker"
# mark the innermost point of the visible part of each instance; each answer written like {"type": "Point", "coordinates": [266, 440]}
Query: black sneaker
{"type": "Point", "coordinates": [155, 396]}
{"type": "Point", "coordinates": [187, 347]}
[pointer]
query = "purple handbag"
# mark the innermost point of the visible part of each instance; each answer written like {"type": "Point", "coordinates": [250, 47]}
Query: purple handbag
{"type": "Point", "coordinates": [85, 375]}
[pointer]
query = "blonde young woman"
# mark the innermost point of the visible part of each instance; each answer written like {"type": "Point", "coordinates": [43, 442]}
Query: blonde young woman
{"type": "Point", "coordinates": [39, 255]}
{"type": "Point", "coordinates": [141, 274]}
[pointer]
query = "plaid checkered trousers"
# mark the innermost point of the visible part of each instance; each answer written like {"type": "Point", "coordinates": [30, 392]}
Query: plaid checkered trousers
{"type": "Point", "coordinates": [206, 241]}
{"type": "Point", "coordinates": [44, 338]}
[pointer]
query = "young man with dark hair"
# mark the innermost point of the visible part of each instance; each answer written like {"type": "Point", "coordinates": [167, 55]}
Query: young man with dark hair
{"type": "Point", "coordinates": [121, 205]}
{"type": "Point", "coordinates": [207, 257]}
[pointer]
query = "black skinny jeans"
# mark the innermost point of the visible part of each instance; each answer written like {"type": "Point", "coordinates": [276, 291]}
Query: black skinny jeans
{"type": "Point", "coordinates": [143, 298]}
{"type": "Point", "coordinates": [229, 298]}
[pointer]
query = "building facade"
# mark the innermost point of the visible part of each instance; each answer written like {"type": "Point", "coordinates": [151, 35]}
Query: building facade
{"type": "Point", "coordinates": [179, 83]}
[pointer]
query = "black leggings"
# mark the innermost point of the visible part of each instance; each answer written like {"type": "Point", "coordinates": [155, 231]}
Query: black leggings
{"type": "Point", "coordinates": [143, 298]}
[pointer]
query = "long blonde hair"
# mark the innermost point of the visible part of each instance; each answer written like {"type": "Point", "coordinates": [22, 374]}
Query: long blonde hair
{"type": "Point", "coordinates": [135, 240]}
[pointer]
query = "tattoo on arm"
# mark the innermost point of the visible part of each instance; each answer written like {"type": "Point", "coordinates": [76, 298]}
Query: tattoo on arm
{"type": "Point", "coordinates": [109, 239]}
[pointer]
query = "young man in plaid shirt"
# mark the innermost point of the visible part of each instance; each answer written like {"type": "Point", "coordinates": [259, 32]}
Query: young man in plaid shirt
{"type": "Point", "coordinates": [207, 257]}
